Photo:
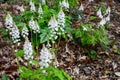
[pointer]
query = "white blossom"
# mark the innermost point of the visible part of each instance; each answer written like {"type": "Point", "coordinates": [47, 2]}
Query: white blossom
{"type": "Point", "coordinates": [91, 0]}
{"type": "Point", "coordinates": [28, 51]}
{"type": "Point", "coordinates": [64, 4]}
{"type": "Point", "coordinates": [53, 26]}
{"type": "Point", "coordinates": [15, 34]}
{"type": "Point", "coordinates": [9, 22]}
{"type": "Point", "coordinates": [108, 17]}
{"type": "Point", "coordinates": [99, 13]}
{"type": "Point", "coordinates": [102, 22]}
{"type": "Point", "coordinates": [40, 11]}
{"type": "Point", "coordinates": [81, 8]}
{"type": "Point", "coordinates": [45, 57]}
{"type": "Point", "coordinates": [32, 7]}
{"type": "Point", "coordinates": [61, 20]}
{"type": "Point", "coordinates": [21, 8]}
{"type": "Point", "coordinates": [34, 26]}
{"type": "Point", "coordinates": [30, 2]}
{"type": "Point", "coordinates": [24, 32]}
{"type": "Point", "coordinates": [84, 28]}
{"type": "Point", "coordinates": [43, 2]}
{"type": "Point", "coordinates": [53, 23]}
{"type": "Point", "coordinates": [108, 10]}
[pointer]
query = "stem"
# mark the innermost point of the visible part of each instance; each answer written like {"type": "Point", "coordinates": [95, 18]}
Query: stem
{"type": "Point", "coordinates": [31, 35]}
{"type": "Point", "coordinates": [36, 43]}
{"type": "Point", "coordinates": [59, 41]}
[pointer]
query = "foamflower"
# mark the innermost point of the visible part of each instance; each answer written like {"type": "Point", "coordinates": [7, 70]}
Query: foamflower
{"type": "Point", "coordinates": [81, 8]}
{"type": "Point", "coordinates": [43, 2]}
{"type": "Point", "coordinates": [61, 20]}
{"type": "Point", "coordinates": [84, 28]}
{"type": "Point", "coordinates": [108, 17]}
{"type": "Point", "coordinates": [108, 10]}
{"type": "Point", "coordinates": [102, 22]}
{"type": "Point", "coordinates": [28, 51]}
{"type": "Point", "coordinates": [91, 0]}
{"type": "Point", "coordinates": [32, 7]}
{"type": "Point", "coordinates": [34, 26]}
{"type": "Point", "coordinates": [53, 26]}
{"type": "Point", "coordinates": [9, 22]}
{"type": "Point", "coordinates": [25, 31]}
{"type": "Point", "coordinates": [40, 11]}
{"type": "Point", "coordinates": [15, 34]}
{"type": "Point", "coordinates": [45, 57]}
{"type": "Point", "coordinates": [64, 4]}
{"type": "Point", "coordinates": [99, 13]}
{"type": "Point", "coordinates": [21, 8]}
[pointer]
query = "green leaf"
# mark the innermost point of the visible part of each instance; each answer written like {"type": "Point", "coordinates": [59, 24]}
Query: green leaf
{"type": "Point", "coordinates": [93, 17]}
{"type": "Point", "coordinates": [34, 62]}
{"type": "Point", "coordinates": [4, 76]}
{"type": "Point", "coordinates": [4, 32]}
{"type": "Point", "coordinates": [19, 53]}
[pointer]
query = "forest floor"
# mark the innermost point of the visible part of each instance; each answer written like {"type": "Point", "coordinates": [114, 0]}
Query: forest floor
{"type": "Point", "coordinates": [71, 56]}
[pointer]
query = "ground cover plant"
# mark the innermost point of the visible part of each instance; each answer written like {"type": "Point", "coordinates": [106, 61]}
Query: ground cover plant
{"type": "Point", "coordinates": [40, 30]}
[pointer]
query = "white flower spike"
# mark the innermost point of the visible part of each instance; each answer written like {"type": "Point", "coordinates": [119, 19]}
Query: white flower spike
{"type": "Point", "coordinates": [91, 0]}
{"type": "Point", "coordinates": [61, 20]}
{"type": "Point", "coordinates": [99, 13]}
{"type": "Point", "coordinates": [34, 26]}
{"type": "Point", "coordinates": [81, 8]}
{"type": "Point", "coordinates": [28, 51]}
{"type": "Point", "coordinates": [108, 17]}
{"type": "Point", "coordinates": [43, 2]}
{"type": "Point", "coordinates": [25, 31]}
{"type": "Point", "coordinates": [40, 11]}
{"type": "Point", "coordinates": [53, 23]}
{"type": "Point", "coordinates": [21, 8]}
{"type": "Point", "coordinates": [9, 22]}
{"type": "Point", "coordinates": [108, 10]}
{"type": "Point", "coordinates": [64, 4]}
{"type": "Point", "coordinates": [15, 34]}
{"type": "Point", "coordinates": [102, 22]}
{"type": "Point", "coordinates": [45, 57]}
{"type": "Point", "coordinates": [53, 26]}
{"type": "Point", "coordinates": [32, 7]}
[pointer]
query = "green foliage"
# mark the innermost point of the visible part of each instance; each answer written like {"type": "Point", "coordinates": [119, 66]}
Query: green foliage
{"type": "Point", "coordinates": [91, 36]}
{"type": "Point", "coordinates": [49, 73]}
{"type": "Point", "coordinates": [19, 53]}
{"type": "Point", "coordinates": [3, 31]}
{"type": "Point", "coordinates": [92, 54]}
{"type": "Point", "coordinates": [4, 77]}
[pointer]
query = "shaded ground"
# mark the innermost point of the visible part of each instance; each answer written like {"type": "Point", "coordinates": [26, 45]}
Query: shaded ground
{"type": "Point", "coordinates": [72, 56]}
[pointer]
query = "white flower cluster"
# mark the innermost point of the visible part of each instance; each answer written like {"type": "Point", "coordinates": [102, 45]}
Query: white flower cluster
{"type": "Point", "coordinates": [40, 11]}
{"type": "Point", "coordinates": [81, 8]}
{"type": "Point", "coordinates": [104, 19]}
{"type": "Point", "coordinates": [28, 51]}
{"type": "Point", "coordinates": [24, 32]}
{"type": "Point", "coordinates": [64, 4]}
{"type": "Point", "coordinates": [61, 20]}
{"type": "Point", "coordinates": [34, 26]}
{"type": "Point", "coordinates": [91, 0]}
{"type": "Point", "coordinates": [21, 8]}
{"type": "Point", "coordinates": [43, 2]}
{"type": "Point", "coordinates": [45, 57]}
{"type": "Point", "coordinates": [9, 22]}
{"type": "Point", "coordinates": [53, 26]}
{"type": "Point", "coordinates": [13, 29]}
{"type": "Point", "coordinates": [32, 6]}
{"type": "Point", "coordinates": [15, 34]}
